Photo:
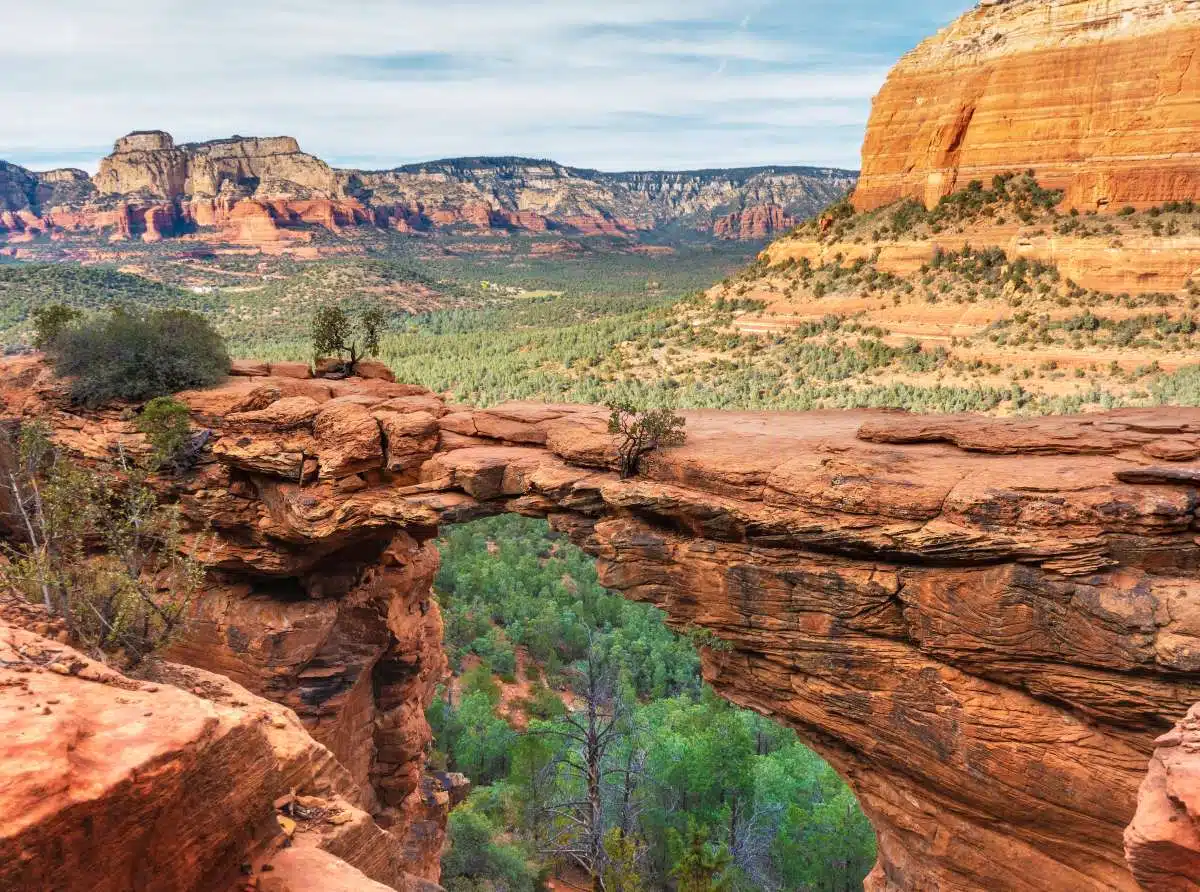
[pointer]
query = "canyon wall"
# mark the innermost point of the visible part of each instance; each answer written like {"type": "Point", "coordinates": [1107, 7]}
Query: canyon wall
{"type": "Point", "coordinates": [257, 191]}
{"type": "Point", "coordinates": [536, 195]}
{"type": "Point", "coordinates": [1100, 97]}
{"type": "Point", "coordinates": [983, 624]}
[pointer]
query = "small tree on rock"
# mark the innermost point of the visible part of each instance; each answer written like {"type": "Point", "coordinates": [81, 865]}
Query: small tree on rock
{"type": "Point", "coordinates": [641, 433]}
{"type": "Point", "coordinates": [335, 334]}
{"type": "Point", "coordinates": [164, 421]}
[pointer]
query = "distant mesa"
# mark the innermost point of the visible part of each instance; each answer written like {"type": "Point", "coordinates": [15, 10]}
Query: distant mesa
{"type": "Point", "coordinates": [265, 191]}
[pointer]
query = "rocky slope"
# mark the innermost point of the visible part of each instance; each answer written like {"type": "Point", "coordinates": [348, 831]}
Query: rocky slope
{"type": "Point", "coordinates": [185, 782]}
{"type": "Point", "coordinates": [255, 191]}
{"type": "Point", "coordinates": [1102, 97]}
{"type": "Point", "coordinates": [983, 624]}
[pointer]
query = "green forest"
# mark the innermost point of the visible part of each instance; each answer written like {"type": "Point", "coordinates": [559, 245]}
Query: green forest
{"type": "Point", "coordinates": [596, 750]}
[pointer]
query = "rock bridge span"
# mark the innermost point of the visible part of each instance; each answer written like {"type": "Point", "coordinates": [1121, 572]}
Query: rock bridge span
{"type": "Point", "coordinates": [983, 624]}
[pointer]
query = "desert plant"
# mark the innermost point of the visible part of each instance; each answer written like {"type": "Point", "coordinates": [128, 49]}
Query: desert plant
{"type": "Point", "coordinates": [95, 549]}
{"type": "Point", "coordinates": [164, 421]}
{"type": "Point", "coordinates": [642, 432]}
{"type": "Point", "coordinates": [51, 321]}
{"type": "Point", "coordinates": [123, 356]}
{"type": "Point", "coordinates": [336, 334]}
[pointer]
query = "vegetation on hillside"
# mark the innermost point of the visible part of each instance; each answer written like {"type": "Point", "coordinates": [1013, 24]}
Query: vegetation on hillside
{"type": "Point", "coordinates": [973, 330]}
{"type": "Point", "coordinates": [561, 675]}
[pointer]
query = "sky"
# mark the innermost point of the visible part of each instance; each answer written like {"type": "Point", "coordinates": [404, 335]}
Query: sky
{"type": "Point", "coordinates": [609, 84]}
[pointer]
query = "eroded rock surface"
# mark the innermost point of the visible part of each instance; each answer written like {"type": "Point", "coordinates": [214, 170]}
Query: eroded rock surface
{"type": "Point", "coordinates": [1101, 97]}
{"type": "Point", "coordinates": [110, 784]}
{"type": "Point", "coordinates": [1163, 841]}
{"type": "Point", "coordinates": [266, 193]}
{"type": "Point", "coordinates": [983, 624]}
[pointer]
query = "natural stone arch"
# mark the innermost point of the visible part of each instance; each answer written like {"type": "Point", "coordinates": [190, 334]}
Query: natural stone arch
{"type": "Point", "coordinates": [982, 624]}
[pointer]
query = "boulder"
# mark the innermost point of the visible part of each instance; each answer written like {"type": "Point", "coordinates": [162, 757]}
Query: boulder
{"type": "Point", "coordinates": [410, 438]}
{"type": "Point", "coordinates": [348, 440]}
{"type": "Point", "coordinates": [373, 370]}
{"type": "Point", "coordinates": [299, 370]}
{"type": "Point", "coordinates": [1162, 842]}
{"type": "Point", "coordinates": [249, 368]}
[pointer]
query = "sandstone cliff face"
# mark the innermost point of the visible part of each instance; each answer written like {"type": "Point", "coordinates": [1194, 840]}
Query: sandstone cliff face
{"type": "Point", "coordinates": [1162, 843]}
{"type": "Point", "coordinates": [983, 624]}
{"type": "Point", "coordinates": [18, 187]}
{"type": "Point", "coordinates": [759, 222]}
{"type": "Point", "coordinates": [1101, 97]}
{"type": "Point", "coordinates": [519, 192]}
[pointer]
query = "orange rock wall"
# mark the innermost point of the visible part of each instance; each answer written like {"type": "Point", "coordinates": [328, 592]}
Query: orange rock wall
{"type": "Point", "coordinates": [1162, 842]}
{"type": "Point", "coordinates": [172, 782]}
{"type": "Point", "coordinates": [759, 222]}
{"type": "Point", "coordinates": [1100, 97]}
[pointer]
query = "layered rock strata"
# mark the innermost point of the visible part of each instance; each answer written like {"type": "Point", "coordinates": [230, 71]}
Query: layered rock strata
{"type": "Point", "coordinates": [184, 782]}
{"type": "Point", "coordinates": [262, 191]}
{"type": "Point", "coordinates": [760, 222]}
{"type": "Point", "coordinates": [1101, 97]}
{"type": "Point", "coordinates": [983, 624]}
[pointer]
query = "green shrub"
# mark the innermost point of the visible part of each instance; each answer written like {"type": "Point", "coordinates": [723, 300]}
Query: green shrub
{"type": "Point", "coordinates": [478, 860]}
{"type": "Point", "coordinates": [164, 421]}
{"type": "Point", "coordinates": [122, 356]}
{"type": "Point", "coordinates": [50, 321]}
{"type": "Point", "coordinates": [335, 334]}
{"type": "Point", "coordinates": [96, 550]}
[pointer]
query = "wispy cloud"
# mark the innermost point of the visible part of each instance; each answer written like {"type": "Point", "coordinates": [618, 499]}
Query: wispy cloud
{"type": "Point", "coordinates": [382, 82]}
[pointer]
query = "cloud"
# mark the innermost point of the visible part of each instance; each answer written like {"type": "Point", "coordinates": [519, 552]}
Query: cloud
{"type": "Point", "coordinates": [384, 82]}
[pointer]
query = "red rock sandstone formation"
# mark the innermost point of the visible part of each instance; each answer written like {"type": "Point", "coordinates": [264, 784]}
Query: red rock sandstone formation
{"type": "Point", "coordinates": [1163, 841]}
{"type": "Point", "coordinates": [1101, 97]}
{"type": "Point", "coordinates": [113, 785]}
{"type": "Point", "coordinates": [982, 623]}
{"type": "Point", "coordinates": [251, 191]}
{"type": "Point", "coordinates": [760, 222]}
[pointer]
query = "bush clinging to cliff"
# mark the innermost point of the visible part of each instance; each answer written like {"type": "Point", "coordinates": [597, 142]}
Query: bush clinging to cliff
{"type": "Point", "coordinates": [97, 551]}
{"type": "Point", "coordinates": [640, 433]}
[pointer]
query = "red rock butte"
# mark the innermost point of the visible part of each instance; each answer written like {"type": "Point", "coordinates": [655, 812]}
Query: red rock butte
{"type": "Point", "coordinates": [1100, 97]}
{"type": "Point", "coordinates": [983, 624]}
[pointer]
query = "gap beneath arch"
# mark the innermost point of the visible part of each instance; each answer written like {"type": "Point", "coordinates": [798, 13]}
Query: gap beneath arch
{"type": "Point", "coordinates": [595, 747]}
